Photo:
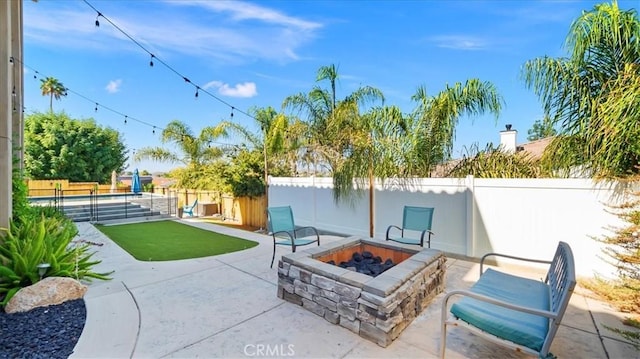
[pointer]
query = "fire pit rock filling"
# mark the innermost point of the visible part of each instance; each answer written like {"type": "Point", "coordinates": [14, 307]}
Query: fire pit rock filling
{"type": "Point", "coordinates": [401, 283]}
{"type": "Point", "coordinates": [365, 263]}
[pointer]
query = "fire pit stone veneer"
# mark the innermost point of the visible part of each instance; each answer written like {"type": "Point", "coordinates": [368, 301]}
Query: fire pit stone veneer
{"type": "Point", "coordinates": [377, 309]}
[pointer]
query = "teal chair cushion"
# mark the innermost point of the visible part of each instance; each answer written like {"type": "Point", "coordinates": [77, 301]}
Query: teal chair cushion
{"type": "Point", "coordinates": [522, 328]}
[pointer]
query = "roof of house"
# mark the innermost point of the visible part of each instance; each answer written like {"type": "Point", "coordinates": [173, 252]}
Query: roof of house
{"type": "Point", "coordinates": [535, 148]}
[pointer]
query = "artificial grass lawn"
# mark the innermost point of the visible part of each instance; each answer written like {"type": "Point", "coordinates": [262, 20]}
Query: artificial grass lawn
{"type": "Point", "coordinates": [170, 240]}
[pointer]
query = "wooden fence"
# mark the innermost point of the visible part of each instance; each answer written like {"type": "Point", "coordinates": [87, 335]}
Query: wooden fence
{"type": "Point", "coordinates": [244, 210]}
{"type": "Point", "coordinates": [47, 187]}
{"type": "Point", "coordinates": [250, 211]}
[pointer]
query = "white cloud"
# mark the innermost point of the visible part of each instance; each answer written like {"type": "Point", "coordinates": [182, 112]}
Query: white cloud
{"type": "Point", "coordinates": [113, 86]}
{"type": "Point", "coordinates": [245, 11]}
{"type": "Point", "coordinates": [245, 89]}
{"type": "Point", "coordinates": [229, 32]}
{"type": "Point", "coordinates": [459, 42]}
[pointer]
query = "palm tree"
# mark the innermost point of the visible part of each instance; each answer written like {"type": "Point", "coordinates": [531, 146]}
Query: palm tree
{"type": "Point", "coordinates": [331, 121]}
{"type": "Point", "coordinates": [53, 88]}
{"type": "Point", "coordinates": [278, 143]}
{"type": "Point", "coordinates": [431, 126]}
{"type": "Point", "coordinates": [195, 152]}
{"type": "Point", "coordinates": [593, 94]}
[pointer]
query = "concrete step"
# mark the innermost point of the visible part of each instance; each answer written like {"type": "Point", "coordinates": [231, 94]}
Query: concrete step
{"type": "Point", "coordinates": [115, 216]}
{"type": "Point", "coordinates": [131, 209]}
{"type": "Point", "coordinates": [107, 211]}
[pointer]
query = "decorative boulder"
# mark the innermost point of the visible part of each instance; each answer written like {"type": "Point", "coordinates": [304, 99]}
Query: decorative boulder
{"type": "Point", "coordinates": [49, 291]}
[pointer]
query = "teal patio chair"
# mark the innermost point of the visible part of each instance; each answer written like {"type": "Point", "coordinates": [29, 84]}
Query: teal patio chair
{"type": "Point", "coordinates": [415, 220]}
{"type": "Point", "coordinates": [189, 209]}
{"type": "Point", "coordinates": [284, 231]}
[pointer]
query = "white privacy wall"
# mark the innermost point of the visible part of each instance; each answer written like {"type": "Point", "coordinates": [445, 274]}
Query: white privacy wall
{"type": "Point", "coordinates": [521, 217]}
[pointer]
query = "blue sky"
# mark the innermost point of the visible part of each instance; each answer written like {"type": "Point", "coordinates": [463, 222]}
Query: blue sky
{"type": "Point", "coordinates": [252, 54]}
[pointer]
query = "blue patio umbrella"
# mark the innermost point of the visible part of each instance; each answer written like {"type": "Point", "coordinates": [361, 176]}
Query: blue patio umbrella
{"type": "Point", "coordinates": [135, 182]}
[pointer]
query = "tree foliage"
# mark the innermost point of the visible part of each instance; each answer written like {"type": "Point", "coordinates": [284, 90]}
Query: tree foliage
{"type": "Point", "coordinates": [622, 250]}
{"type": "Point", "coordinates": [194, 152]}
{"type": "Point", "coordinates": [493, 162]}
{"type": "Point", "coordinates": [358, 142]}
{"type": "Point", "coordinates": [332, 123]}
{"type": "Point", "coordinates": [542, 128]}
{"type": "Point", "coordinates": [593, 94]}
{"type": "Point", "coordinates": [53, 88]}
{"type": "Point", "coordinates": [57, 146]}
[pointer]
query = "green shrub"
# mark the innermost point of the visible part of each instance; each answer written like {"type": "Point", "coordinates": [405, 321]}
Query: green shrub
{"type": "Point", "coordinates": [148, 187]}
{"type": "Point", "coordinates": [20, 200]}
{"type": "Point", "coordinates": [41, 239]}
{"type": "Point", "coordinates": [623, 252]}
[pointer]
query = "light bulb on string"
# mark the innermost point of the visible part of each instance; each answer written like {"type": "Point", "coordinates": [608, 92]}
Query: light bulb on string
{"type": "Point", "coordinates": [197, 90]}
{"type": "Point", "coordinates": [98, 22]}
{"type": "Point", "coordinates": [151, 61]}
{"type": "Point", "coordinates": [13, 92]}
{"type": "Point", "coordinates": [232, 108]}
{"type": "Point", "coordinates": [125, 119]}
{"type": "Point", "coordinates": [96, 109]}
{"type": "Point", "coordinates": [154, 130]}
{"type": "Point", "coordinates": [11, 59]}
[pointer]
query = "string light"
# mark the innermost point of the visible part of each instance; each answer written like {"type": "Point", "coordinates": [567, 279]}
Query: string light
{"type": "Point", "coordinates": [11, 59]}
{"type": "Point", "coordinates": [126, 117]}
{"type": "Point", "coordinates": [98, 22]}
{"type": "Point", "coordinates": [13, 92]}
{"type": "Point", "coordinates": [232, 108]}
{"type": "Point", "coordinates": [198, 88]}
{"type": "Point", "coordinates": [154, 130]}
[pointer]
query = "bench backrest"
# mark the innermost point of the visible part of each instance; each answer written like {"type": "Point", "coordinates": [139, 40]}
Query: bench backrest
{"type": "Point", "coordinates": [561, 279]}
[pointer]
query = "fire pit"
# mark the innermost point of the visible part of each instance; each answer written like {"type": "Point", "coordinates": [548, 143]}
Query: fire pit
{"type": "Point", "coordinates": [377, 309]}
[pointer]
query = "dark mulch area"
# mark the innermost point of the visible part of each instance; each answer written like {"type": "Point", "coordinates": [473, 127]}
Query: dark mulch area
{"type": "Point", "coordinates": [47, 332]}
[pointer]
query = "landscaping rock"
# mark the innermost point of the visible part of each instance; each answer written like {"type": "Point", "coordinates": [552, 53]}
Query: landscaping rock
{"type": "Point", "coordinates": [49, 291]}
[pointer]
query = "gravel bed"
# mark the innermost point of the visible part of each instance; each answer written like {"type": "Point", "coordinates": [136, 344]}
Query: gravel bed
{"type": "Point", "coordinates": [46, 332]}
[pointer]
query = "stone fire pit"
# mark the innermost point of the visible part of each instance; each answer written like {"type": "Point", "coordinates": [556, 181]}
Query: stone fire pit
{"type": "Point", "coordinates": [377, 309]}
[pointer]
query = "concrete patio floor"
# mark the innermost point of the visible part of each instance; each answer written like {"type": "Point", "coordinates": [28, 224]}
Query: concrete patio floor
{"type": "Point", "coordinates": [226, 306]}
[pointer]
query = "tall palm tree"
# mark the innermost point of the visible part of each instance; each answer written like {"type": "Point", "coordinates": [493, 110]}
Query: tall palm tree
{"type": "Point", "coordinates": [53, 88]}
{"type": "Point", "coordinates": [593, 94]}
{"type": "Point", "coordinates": [330, 120]}
{"type": "Point", "coordinates": [194, 151]}
{"type": "Point", "coordinates": [431, 127]}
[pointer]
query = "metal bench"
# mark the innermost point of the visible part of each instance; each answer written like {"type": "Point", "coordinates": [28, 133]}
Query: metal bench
{"type": "Point", "coordinates": [519, 313]}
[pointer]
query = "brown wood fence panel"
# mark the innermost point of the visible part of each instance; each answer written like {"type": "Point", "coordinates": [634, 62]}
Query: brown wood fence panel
{"type": "Point", "coordinates": [45, 187]}
{"type": "Point", "coordinates": [253, 211]}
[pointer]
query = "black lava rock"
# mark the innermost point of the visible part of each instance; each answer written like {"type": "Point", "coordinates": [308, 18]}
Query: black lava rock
{"type": "Point", "coordinates": [366, 263]}
{"type": "Point", "coordinates": [46, 332]}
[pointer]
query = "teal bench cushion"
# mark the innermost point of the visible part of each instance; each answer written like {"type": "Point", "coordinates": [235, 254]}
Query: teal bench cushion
{"type": "Point", "coordinates": [521, 328]}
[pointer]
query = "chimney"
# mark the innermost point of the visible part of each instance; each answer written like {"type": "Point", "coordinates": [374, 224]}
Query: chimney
{"type": "Point", "coordinates": [508, 139]}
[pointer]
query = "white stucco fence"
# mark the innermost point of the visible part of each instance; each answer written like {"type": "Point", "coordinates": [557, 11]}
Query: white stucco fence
{"type": "Point", "coordinates": [521, 217]}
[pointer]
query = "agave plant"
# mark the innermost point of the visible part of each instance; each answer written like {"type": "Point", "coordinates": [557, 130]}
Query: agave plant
{"type": "Point", "coordinates": [39, 240]}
